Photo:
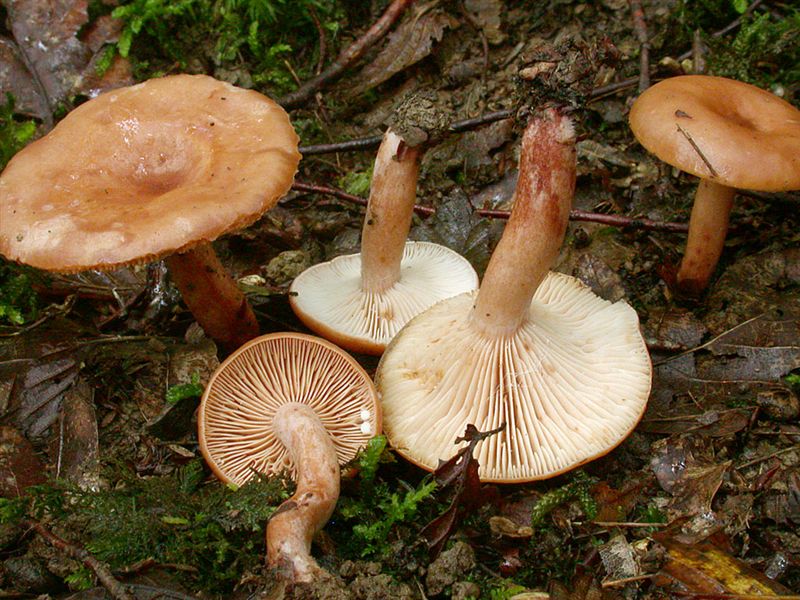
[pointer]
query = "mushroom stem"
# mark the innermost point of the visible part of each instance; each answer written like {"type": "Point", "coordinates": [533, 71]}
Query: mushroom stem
{"type": "Point", "coordinates": [213, 297]}
{"type": "Point", "coordinates": [293, 525]}
{"type": "Point", "coordinates": [535, 231]}
{"type": "Point", "coordinates": [389, 210]}
{"type": "Point", "coordinates": [708, 227]}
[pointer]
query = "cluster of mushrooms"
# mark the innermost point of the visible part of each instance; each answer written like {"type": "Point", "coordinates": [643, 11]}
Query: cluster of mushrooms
{"type": "Point", "coordinates": [162, 168]}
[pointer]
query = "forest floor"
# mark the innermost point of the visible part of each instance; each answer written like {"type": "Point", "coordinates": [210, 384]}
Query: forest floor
{"type": "Point", "coordinates": [100, 373]}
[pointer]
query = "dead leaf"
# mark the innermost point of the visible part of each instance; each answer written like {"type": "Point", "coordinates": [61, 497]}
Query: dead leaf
{"type": "Point", "coordinates": [41, 364]}
{"type": "Point", "coordinates": [408, 44]}
{"type": "Point", "coordinates": [705, 569]}
{"type": "Point", "coordinates": [456, 226]}
{"type": "Point", "coordinates": [460, 474]}
{"type": "Point", "coordinates": [618, 558]}
{"type": "Point", "coordinates": [78, 451]}
{"type": "Point", "coordinates": [51, 58]}
{"type": "Point", "coordinates": [45, 32]}
{"type": "Point", "coordinates": [602, 279]}
{"type": "Point", "coordinates": [17, 80]}
{"type": "Point", "coordinates": [684, 468]}
{"type": "Point", "coordinates": [711, 423]}
{"type": "Point", "coordinates": [20, 466]}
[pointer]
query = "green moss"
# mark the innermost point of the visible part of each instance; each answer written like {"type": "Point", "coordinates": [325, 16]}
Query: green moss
{"type": "Point", "coordinates": [14, 134]}
{"type": "Point", "coordinates": [249, 41]}
{"type": "Point", "coordinates": [216, 530]}
{"type": "Point", "coordinates": [18, 301]}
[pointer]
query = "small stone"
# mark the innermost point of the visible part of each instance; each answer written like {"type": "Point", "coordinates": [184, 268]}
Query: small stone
{"type": "Point", "coordinates": [287, 265]}
{"type": "Point", "coordinates": [448, 567]}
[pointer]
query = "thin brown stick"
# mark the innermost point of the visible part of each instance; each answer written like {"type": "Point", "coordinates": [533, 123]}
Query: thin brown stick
{"type": "Point", "coordinates": [627, 524]}
{"type": "Point", "coordinates": [347, 57]}
{"type": "Point", "coordinates": [116, 589]}
{"type": "Point", "coordinates": [755, 461]}
{"type": "Point", "coordinates": [574, 215]}
{"type": "Point", "coordinates": [374, 141]}
{"type": "Point", "coordinates": [625, 580]}
{"type": "Point", "coordinates": [640, 28]}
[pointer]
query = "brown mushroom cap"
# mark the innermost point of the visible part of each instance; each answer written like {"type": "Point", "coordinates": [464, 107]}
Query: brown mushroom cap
{"type": "Point", "coordinates": [570, 383]}
{"type": "Point", "coordinates": [141, 172]}
{"type": "Point", "coordinates": [236, 412]}
{"type": "Point", "coordinates": [730, 132]}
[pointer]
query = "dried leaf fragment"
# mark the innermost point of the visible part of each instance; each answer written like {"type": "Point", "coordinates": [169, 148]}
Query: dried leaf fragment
{"type": "Point", "coordinates": [412, 41]}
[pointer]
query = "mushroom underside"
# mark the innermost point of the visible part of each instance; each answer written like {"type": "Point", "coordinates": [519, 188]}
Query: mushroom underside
{"type": "Point", "coordinates": [570, 384]}
{"type": "Point", "coordinates": [238, 408]}
{"type": "Point", "coordinates": [330, 300]}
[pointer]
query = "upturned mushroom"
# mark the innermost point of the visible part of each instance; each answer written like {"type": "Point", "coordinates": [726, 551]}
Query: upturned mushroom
{"type": "Point", "coordinates": [360, 301]}
{"type": "Point", "coordinates": [567, 372]}
{"type": "Point", "coordinates": [158, 169]}
{"type": "Point", "coordinates": [729, 134]}
{"type": "Point", "coordinates": [289, 401]}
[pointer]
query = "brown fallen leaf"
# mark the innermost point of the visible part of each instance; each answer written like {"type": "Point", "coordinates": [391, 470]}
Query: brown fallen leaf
{"type": "Point", "coordinates": [460, 474]}
{"type": "Point", "coordinates": [20, 466]}
{"type": "Point", "coordinates": [16, 79]}
{"type": "Point", "coordinates": [684, 468]}
{"type": "Point", "coordinates": [59, 64]}
{"type": "Point", "coordinates": [78, 448]}
{"type": "Point", "coordinates": [706, 569]}
{"type": "Point", "coordinates": [411, 42]}
{"type": "Point", "coordinates": [46, 34]}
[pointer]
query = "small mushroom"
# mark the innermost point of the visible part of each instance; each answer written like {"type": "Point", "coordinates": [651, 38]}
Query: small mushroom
{"type": "Point", "coordinates": [567, 372]}
{"type": "Point", "coordinates": [731, 135]}
{"type": "Point", "coordinates": [157, 169]}
{"type": "Point", "coordinates": [289, 401]}
{"type": "Point", "coordinates": [360, 301]}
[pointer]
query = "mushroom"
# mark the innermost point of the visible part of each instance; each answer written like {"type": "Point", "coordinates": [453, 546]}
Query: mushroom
{"type": "Point", "coordinates": [566, 371]}
{"type": "Point", "coordinates": [289, 401]}
{"type": "Point", "coordinates": [360, 301]}
{"type": "Point", "coordinates": [157, 169]}
{"type": "Point", "coordinates": [731, 135]}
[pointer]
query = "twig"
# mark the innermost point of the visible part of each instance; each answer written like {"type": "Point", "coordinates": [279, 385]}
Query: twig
{"type": "Point", "coordinates": [574, 214]}
{"type": "Point", "coordinates": [117, 590]}
{"type": "Point", "coordinates": [347, 57]}
{"type": "Point", "coordinates": [640, 28]}
{"type": "Point", "coordinates": [697, 149]}
{"type": "Point", "coordinates": [374, 140]}
{"type": "Point", "coordinates": [755, 461]}
{"type": "Point", "coordinates": [625, 580]}
{"type": "Point", "coordinates": [708, 343]}
{"type": "Point", "coordinates": [627, 524]}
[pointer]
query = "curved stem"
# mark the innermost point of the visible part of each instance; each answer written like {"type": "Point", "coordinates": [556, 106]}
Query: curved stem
{"type": "Point", "coordinates": [708, 227]}
{"type": "Point", "coordinates": [389, 211]}
{"type": "Point", "coordinates": [534, 232]}
{"type": "Point", "coordinates": [293, 525]}
{"type": "Point", "coordinates": [216, 302]}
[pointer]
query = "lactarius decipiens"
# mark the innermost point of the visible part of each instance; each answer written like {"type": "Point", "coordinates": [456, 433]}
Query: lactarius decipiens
{"type": "Point", "coordinates": [567, 372]}
{"type": "Point", "coordinates": [729, 134]}
{"type": "Point", "coordinates": [289, 401]}
{"type": "Point", "coordinates": [361, 301]}
{"type": "Point", "coordinates": [158, 169]}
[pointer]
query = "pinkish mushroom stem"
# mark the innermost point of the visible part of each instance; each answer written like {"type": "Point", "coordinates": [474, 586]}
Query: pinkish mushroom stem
{"type": "Point", "coordinates": [708, 227]}
{"type": "Point", "coordinates": [213, 297]}
{"type": "Point", "coordinates": [293, 525]}
{"type": "Point", "coordinates": [535, 231]}
{"type": "Point", "coordinates": [389, 210]}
